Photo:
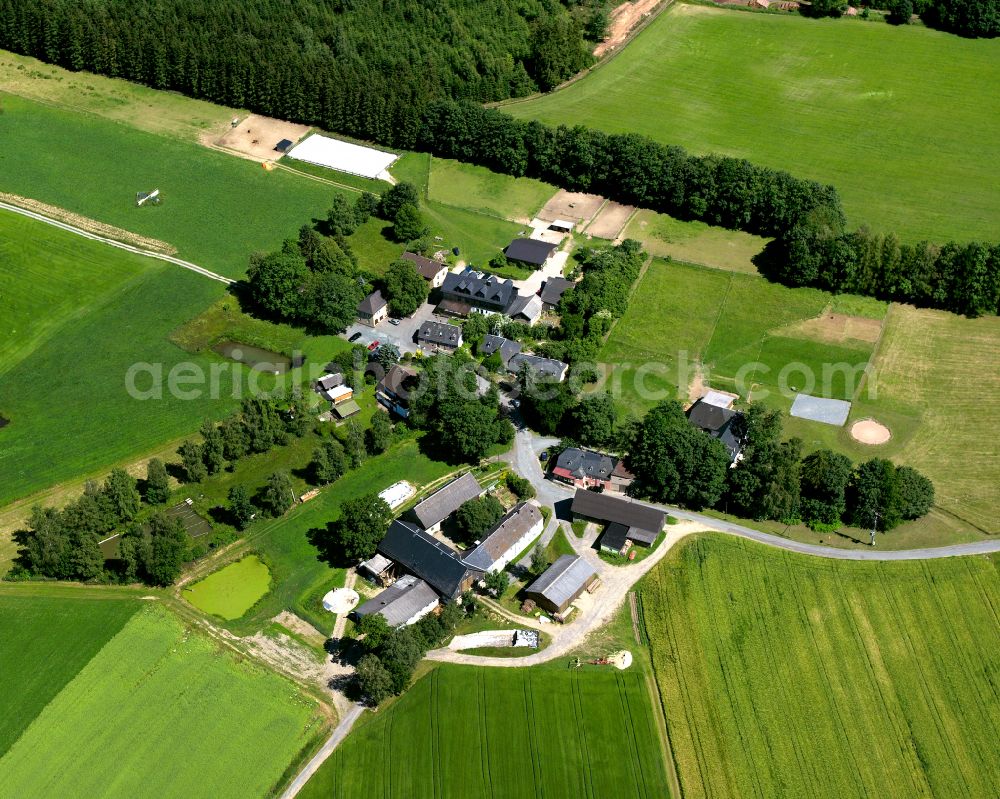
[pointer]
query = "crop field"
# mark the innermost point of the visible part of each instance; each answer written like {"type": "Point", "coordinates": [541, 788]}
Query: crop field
{"type": "Point", "coordinates": [742, 330]}
{"type": "Point", "coordinates": [794, 676]}
{"type": "Point", "coordinates": [480, 189]}
{"type": "Point", "coordinates": [46, 641]}
{"type": "Point", "coordinates": [46, 283]}
{"type": "Point", "coordinates": [463, 732]}
{"type": "Point", "coordinates": [832, 100]}
{"type": "Point", "coordinates": [231, 591]}
{"type": "Point", "coordinates": [217, 209]}
{"type": "Point", "coordinates": [159, 693]}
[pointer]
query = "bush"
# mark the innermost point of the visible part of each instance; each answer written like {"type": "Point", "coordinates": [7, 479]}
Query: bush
{"type": "Point", "coordinates": [519, 486]}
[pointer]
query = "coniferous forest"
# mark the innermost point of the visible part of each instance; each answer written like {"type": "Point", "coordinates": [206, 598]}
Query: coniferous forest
{"type": "Point", "coordinates": [364, 68]}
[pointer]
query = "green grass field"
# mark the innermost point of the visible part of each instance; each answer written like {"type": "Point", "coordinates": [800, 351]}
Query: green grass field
{"type": "Point", "coordinates": [48, 281]}
{"type": "Point", "coordinates": [695, 242]}
{"type": "Point", "coordinates": [743, 331]}
{"type": "Point", "coordinates": [477, 188]}
{"type": "Point", "coordinates": [217, 209]}
{"type": "Point", "coordinates": [231, 591]}
{"type": "Point", "coordinates": [794, 676]}
{"type": "Point", "coordinates": [833, 100]}
{"type": "Point", "coordinates": [46, 641]}
{"type": "Point", "coordinates": [160, 710]}
{"type": "Point", "coordinates": [512, 733]}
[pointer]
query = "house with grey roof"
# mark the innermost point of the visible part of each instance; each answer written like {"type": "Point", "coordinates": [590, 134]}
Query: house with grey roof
{"type": "Point", "coordinates": [547, 368]}
{"type": "Point", "coordinates": [445, 501]}
{"type": "Point", "coordinates": [373, 309]}
{"type": "Point", "coordinates": [439, 335]}
{"type": "Point", "coordinates": [518, 528]}
{"type": "Point", "coordinates": [404, 602]}
{"type": "Point", "coordinates": [479, 290]}
{"type": "Point", "coordinates": [417, 552]}
{"type": "Point", "coordinates": [725, 424]}
{"type": "Point", "coordinates": [505, 346]}
{"type": "Point", "coordinates": [552, 291]}
{"type": "Point", "coordinates": [394, 390]}
{"type": "Point", "coordinates": [584, 468]}
{"type": "Point", "coordinates": [560, 584]}
{"type": "Point", "coordinates": [525, 308]}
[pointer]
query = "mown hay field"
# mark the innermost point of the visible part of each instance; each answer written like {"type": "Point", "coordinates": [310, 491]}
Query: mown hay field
{"type": "Point", "coordinates": [480, 189]}
{"type": "Point", "coordinates": [163, 711]}
{"type": "Point", "coordinates": [839, 101]}
{"type": "Point", "coordinates": [794, 676]}
{"type": "Point", "coordinates": [216, 209]}
{"type": "Point", "coordinates": [46, 641]}
{"type": "Point", "coordinates": [512, 733]}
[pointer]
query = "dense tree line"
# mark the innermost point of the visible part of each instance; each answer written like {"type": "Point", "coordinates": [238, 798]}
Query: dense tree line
{"type": "Point", "coordinates": [361, 67]}
{"type": "Point", "coordinates": [674, 462]}
{"type": "Point", "coordinates": [65, 544]}
{"type": "Point", "coordinates": [975, 18]}
{"type": "Point", "coordinates": [960, 277]}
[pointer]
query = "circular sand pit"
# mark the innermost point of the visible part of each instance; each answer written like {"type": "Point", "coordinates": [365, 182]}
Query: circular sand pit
{"type": "Point", "coordinates": [868, 431]}
{"type": "Point", "coordinates": [343, 600]}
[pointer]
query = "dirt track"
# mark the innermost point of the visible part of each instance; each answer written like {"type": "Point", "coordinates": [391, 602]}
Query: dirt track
{"type": "Point", "coordinates": [623, 19]}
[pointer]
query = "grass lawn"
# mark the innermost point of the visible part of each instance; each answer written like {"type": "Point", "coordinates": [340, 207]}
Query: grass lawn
{"type": "Point", "coordinates": [695, 242]}
{"type": "Point", "coordinates": [478, 237]}
{"type": "Point", "coordinates": [740, 330]}
{"type": "Point", "coordinates": [161, 693]}
{"type": "Point", "coordinates": [832, 100]}
{"type": "Point", "coordinates": [480, 189]}
{"type": "Point", "coordinates": [46, 641]}
{"type": "Point", "coordinates": [464, 732]}
{"type": "Point", "coordinates": [231, 591]}
{"type": "Point", "coordinates": [48, 281]}
{"type": "Point", "coordinates": [217, 209]}
{"type": "Point", "coordinates": [787, 675]}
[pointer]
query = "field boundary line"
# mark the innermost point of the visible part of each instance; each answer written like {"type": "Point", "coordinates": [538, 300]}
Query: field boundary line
{"type": "Point", "coordinates": [120, 245]}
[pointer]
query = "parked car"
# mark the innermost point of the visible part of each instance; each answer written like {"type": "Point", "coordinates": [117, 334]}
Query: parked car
{"type": "Point", "coordinates": [354, 338]}
{"type": "Point", "coordinates": [374, 346]}
{"type": "Point", "coordinates": [544, 456]}
{"type": "Point", "coordinates": [393, 321]}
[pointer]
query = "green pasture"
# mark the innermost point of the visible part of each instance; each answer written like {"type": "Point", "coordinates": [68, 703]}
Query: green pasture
{"type": "Point", "coordinates": [739, 330]}
{"type": "Point", "coordinates": [464, 732]}
{"type": "Point", "coordinates": [46, 641]}
{"type": "Point", "coordinates": [477, 188]}
{"type": "Point", "coordinates": [231, 591]}
{"type": "Point", "coordinates": [217, 209]}
{"type": "Point", "coordinates": [46, 282]}
{"type": "Point", "coordinates": [162, 710]}
{"type": "Point", "coordinates": [900, 119]}
{"type": "Point", "coordinates": [695, 242]}
{"type": "Point", "coordinates": [787, 675]}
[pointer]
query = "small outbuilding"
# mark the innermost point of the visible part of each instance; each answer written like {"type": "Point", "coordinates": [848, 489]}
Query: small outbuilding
{"type": "Point", "coordinates": [283, 146]}
{"type": "Point", "coordinates": [560, 584]}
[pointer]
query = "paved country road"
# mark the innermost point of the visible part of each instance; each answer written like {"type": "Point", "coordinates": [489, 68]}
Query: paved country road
{"type": "Point", "coordinates": [112, 242]}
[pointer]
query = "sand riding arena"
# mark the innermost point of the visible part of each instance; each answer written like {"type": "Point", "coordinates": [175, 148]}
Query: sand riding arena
{"type": "Point", "coordinates": [868, 431]}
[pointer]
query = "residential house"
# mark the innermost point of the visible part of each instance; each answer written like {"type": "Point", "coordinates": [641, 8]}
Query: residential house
{"type": "Point", "coordinates": [518, 528]}
{"type": "Point", "coordinates": [432, 271]}
{"type": "Point", "coordinates": [393, 391]}
{"type": "Point", "coordinates": [548, 368]}
{"type": "Point", "coordinates": [445, 501]}
{"type": "Point", "coordinates": [404, 602]}
{"type": "Point", "coordinates": [527, 309]}
{"type": "Point", "coordinates": [584, 468]}
{"type": "Point", "coordinates": [417, 552]}
{"type": "Point", "coordinates": [439, 335]}
{"type": "Point", "coordinates": [478, 290]}
{"type": "Point", "coordinates": [505, 346]}
{"type": "Point", "coordinates": [560, 584]}
{"type": "Point", "coordinates": [531, 252]}
{"type": "Point", "coordinates": [552, 291]}
{"type": "Point", "coordinates": [621, 478]}
{"type": "Point", "coordinates": [641, 523]}
{"type": "Point", "coordinates": [373, 309]}
{"type": "Point", "coordinates": [725, 424]}
{"type": "Point", "coordinates": [328, 381]}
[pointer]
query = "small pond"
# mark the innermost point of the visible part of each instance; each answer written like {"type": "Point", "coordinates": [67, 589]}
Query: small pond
{"type": "Point", "coordinates": [233, 590]}
{"type": "Point", "coordinates": [257, 358]}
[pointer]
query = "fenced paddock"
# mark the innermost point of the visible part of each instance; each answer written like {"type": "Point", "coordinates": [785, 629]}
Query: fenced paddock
{"type": "Point", "coordinates": [343, 156]}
